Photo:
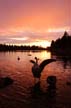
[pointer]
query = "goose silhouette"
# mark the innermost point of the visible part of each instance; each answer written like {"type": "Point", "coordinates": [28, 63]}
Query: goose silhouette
{"type": "Point", "coordinates": [38, 68]}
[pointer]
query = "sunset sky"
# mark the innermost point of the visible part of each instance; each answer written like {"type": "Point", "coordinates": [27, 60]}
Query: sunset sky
{"type": "Point", "coordinates": [34, 22]}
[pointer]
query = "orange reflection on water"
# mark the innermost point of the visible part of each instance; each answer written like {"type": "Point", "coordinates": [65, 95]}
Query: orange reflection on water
{"type": "Point", "coordinates": [45, 55]}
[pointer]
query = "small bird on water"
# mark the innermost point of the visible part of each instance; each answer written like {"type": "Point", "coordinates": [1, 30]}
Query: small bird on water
{"type": "Point", "coordinates": [37, 69]}
{"type": "Point", "coordinates": [18, 58]}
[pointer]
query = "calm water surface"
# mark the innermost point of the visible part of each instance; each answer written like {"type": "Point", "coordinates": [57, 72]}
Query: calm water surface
{"type": "Point", "coordinates": [24, 93]}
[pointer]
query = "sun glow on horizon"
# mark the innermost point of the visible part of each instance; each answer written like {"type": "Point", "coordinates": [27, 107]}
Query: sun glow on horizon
{"type": "Point", "coordinates": [30, 37]}
{"type": "Point", "coordinates": [43, 43]}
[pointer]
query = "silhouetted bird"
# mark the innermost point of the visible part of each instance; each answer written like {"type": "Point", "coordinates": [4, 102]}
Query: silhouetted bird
{"type": "Point", "coordinates": [37, 69]}
{"type": "Point", "coordinates": [18, 58]}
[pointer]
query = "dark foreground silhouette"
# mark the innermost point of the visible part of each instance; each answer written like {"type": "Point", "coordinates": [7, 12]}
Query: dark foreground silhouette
{"type": "Point", "coordinates": [62, 46]}
{"type": "Point", "coordinates": [5, 82]}
{"type": "Point", "coordinates": [4, 47]}
{"type": "Point", "coordinates": [45, 99]}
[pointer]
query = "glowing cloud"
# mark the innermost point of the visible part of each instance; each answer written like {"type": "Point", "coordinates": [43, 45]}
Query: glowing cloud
{"type": "Point", "coordinates": [20, 39]}
{"type": "Point", "coordinates": [59, 29]}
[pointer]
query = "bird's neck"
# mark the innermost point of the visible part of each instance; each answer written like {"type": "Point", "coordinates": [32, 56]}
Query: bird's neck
{"type": "Point", "coordinates": [36, 61]}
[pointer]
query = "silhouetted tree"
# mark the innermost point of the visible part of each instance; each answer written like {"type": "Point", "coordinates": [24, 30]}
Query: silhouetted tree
{"type": "Point", "coordinates": [4, 47]}
{"type": "Point", "coordinates": [62, 44]}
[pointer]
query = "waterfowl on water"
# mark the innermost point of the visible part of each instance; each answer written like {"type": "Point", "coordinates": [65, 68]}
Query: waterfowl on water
{"type": "Point", "coordinates": [18, 58]}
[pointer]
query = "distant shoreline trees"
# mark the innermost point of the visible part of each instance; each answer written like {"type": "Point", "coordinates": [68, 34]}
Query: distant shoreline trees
{"type": "Point", "coordinates": [60, 46]}
{"type": "Point", "coordinates": [4, 47]}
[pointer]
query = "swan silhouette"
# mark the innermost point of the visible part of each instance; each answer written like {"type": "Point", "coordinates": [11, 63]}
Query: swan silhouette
{"type": "Point", "coordinates": [37, 69]}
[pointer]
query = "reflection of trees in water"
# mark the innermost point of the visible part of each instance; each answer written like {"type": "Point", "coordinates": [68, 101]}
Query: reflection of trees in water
{"type": "Point", "coordinates": [65, 60]}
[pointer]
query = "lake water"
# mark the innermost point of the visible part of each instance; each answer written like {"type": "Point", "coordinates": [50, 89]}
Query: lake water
{"type": "Point", "coordinates": [24, 93]}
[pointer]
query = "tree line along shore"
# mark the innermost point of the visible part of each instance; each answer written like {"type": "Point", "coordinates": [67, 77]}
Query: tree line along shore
{"type": "Point", "coordinates": [59, 46]}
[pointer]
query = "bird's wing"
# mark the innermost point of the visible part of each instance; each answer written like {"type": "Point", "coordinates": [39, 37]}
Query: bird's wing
{"type": "Point", "coordinates": [45, 62]}
{"type": "Point", "coordinates": [32, 61]}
